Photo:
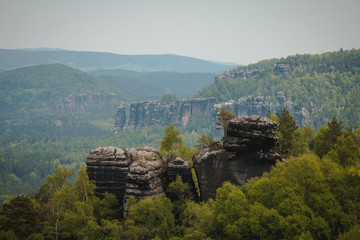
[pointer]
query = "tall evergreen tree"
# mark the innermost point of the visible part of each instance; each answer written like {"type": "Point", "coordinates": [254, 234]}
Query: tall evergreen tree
{"type": "Point", "coordinates": [327, 137]}
{"type": "Point", "coordinates": [286, 129]}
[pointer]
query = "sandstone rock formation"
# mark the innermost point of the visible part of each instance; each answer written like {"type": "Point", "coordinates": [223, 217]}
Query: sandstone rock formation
{"type": "Point", "coordinates": [120, 119]}
{"type": "Point", "coordinates": [129, 172]}
{"type": "Point", "coordinates": [247, 151]}
{"type": "Point", "coordinates": [146, 174]}
{"type": "Point", "coordinates": [108, 168]}
{"type": "Point", "coordinates": [149, 113]}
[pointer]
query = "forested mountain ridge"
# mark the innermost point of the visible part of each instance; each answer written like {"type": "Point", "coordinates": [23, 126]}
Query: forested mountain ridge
{"type": "Point", "coordinates": [53, 94]}
{"type": "Point", "coordinates": [99, 60]}
{"type": "Point", "coordinates": [148, 85]}
{"type": "Point", "coordinates": [324, 84]}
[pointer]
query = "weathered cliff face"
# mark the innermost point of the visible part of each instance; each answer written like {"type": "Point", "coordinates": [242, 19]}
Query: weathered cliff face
{"type": "Point", "coordinates": [108, 168]}
{"type": "Point", "coordinates": [120, 118]}
{"type": "Point", "coordinates": [129, 172]}
{"type": "Point", "coordinates": [146, 174]}
{"type": "Point", "coordinates": [182, 112]}
{"type": "Point", "coordinates": [147, 113]}
{"type": "Point", "coordinates": [247, 151]}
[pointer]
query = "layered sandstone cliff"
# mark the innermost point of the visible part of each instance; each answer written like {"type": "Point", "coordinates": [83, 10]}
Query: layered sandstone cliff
{"type": "Point", "coordinates": [108, 168]}
{"type": "Point", "coordinates": [183, 112]}
{"type": "Point", "coordinates": [129, 172]}
{"type": "Point", "coordinates": [248, 150]}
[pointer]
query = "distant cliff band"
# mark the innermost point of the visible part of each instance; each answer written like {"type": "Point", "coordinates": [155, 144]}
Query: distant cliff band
{"type": "Point", "coordinates": [182, 112]}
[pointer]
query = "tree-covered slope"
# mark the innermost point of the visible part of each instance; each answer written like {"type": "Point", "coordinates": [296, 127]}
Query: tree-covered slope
{"type": "Point", "coordinates": [325, 85]}
{"type": "Point", "coordinates": [98, 60]}
{"type": "Point", "coordinates": [156, 84]}
{"type": "Point", "coordinates": [53, 95]}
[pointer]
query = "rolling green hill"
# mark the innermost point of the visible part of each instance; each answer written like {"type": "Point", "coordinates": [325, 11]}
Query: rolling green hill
{"type": "Point", "coordinates": [156, 84]}
{"type": "Point", "coordinates": [96, 60]}
{"type": "Point", "coordinates": [325, 85]}
{"type": "Point", "coordinates": [40, 98]}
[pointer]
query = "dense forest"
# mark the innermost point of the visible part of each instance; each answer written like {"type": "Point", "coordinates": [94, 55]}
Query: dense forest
{"type": "Point", "coordinates": [325, 84]}
{"type": "Point", "coordinates": [312, 195]}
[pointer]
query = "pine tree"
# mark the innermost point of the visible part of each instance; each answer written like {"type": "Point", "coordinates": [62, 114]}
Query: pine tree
{"type": "Point", "coordinates": [204, 142]}
{"type": "Point", "coordinates": [224, 116]}
{"type": "Point", "coordinates": [327, 137]}
{"type": "Point", "coordinates": [286, 129]}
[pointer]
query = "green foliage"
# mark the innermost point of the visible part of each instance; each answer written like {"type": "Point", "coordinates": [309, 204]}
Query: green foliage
{"type": "Point", "coordinates": [328, 84]}
{"type": "Point", "coordinates": [223, 117]}
{"type": "Point", "coordinates": [286, 130]}
{"type": "Point", "coordinates": [150, 217]}
{"type": "Point", "coordinates": [178, 191]}
{"type": "Point", "coordinates": [171, 142]}
{"type": "Point", "coordinates": [8, 235]}
{"type": "Point", "coordinates": [353, 233]}
{"type": "Point", "coordinates": [168, 98]}
{"type": "Point", "coordinates": [326, 137]}
{"type": "Point", "coordinates": [83, 188]}
{"type": "Point", "coordinates": [204, 142]}
{"type": "Point", "coordinates": [199, 219]}
{"type": "Point", "coordinates": [172, 145]}
{"type": "Point", "coordinates": [107, 208]}
{"type": "Point", "coordinates": [20, 215]}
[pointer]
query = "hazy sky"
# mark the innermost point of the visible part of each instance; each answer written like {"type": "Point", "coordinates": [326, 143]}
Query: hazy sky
{"type": "Point", "coordinates": [221, 30]}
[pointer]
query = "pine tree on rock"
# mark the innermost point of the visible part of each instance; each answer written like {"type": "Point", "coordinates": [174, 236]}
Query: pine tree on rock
{"type": "Point", "coordinates": [224, 116]}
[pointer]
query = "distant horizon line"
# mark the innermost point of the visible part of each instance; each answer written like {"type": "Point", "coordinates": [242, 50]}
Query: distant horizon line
{"type": "Point", "coordinates": [44, 49]}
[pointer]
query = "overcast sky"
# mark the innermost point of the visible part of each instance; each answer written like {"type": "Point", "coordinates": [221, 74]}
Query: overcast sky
{"type": "Point", "coordinates": [220, 30]}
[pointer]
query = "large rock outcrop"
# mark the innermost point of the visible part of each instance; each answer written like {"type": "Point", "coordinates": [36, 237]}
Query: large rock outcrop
{"type": "Point", "coordinates": [247, 151]}
{"type": "Point", "coordinates": [108, 168]}
{"type": "Point", "coordinates": [129, 172]}
{"type": "Point", "coordinates": [146, 174]}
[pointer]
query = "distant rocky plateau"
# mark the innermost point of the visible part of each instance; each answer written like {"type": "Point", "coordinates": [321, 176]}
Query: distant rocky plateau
{"type": "Point", "coordinates": [183, 112]}
{"type": "Point", "coordinates": [248, 150]}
